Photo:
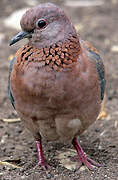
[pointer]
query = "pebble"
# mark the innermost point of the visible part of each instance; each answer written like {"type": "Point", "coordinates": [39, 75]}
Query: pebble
{"type": "Point", "coordinates": [114, 48]}
{"type": "Point", "coordinates": [22, 170]}
{"type": "Point", "coordinates": [23, 177]}
{"type": "Point", "coordinates": [3, 139]}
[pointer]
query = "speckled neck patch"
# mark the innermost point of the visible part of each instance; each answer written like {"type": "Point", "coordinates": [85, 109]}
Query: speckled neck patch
{"type": "Point", "coordinates": [57, 56]}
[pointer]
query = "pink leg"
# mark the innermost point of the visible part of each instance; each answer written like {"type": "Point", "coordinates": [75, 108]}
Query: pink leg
{"type": "Point", "coordinates": [82, 158]}
{"type": "Point", "coordinates": [41, 160]}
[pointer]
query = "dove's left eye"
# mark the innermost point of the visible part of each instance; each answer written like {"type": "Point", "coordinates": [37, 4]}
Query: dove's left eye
{"type": "Point", "coordinates": [41, 23]}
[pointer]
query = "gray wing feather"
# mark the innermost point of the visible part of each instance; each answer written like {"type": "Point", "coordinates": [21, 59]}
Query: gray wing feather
{"type": "Point", "coordinates": [100, 69]}
{"type": "Point", "coordinates": [9, 88]}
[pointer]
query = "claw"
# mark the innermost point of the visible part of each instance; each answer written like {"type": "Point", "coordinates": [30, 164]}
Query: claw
{"type": "Point", "coordinates": [95, 163]}
{"type": "Point", "coordinates": [89, 163]}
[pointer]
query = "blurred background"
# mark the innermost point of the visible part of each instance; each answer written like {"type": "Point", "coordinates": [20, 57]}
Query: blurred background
{"type": "Point", "coordinates": [95, 21]}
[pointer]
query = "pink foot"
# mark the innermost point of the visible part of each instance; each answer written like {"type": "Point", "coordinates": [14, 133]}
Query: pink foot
{"type": "Point", "coordinates": [82, 158]}
{"type": "Point", "coordinates": [41, 160]}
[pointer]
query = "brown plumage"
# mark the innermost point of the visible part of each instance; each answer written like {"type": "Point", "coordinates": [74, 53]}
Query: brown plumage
{"type": "Point", "coordinates": [56, 80]}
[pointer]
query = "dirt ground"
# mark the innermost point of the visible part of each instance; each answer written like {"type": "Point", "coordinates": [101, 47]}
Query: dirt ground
{"type": "Point", "coordinates": [99, 25]}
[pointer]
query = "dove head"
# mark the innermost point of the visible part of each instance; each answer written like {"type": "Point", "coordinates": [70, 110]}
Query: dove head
{"type": "Point", "coordinates": [45, 25]}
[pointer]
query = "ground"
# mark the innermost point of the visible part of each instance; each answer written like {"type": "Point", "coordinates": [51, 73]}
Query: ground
{"type": "Point", "coordinates": [97, 24]}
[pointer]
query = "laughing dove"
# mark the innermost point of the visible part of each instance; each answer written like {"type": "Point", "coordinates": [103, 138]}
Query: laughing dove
{"type": "Point", "coordinates": [56, 81]}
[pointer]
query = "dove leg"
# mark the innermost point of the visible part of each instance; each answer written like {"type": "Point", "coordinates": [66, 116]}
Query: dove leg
{"type": "Point", "coordinates": [82, 157]}
{"type": "Point", "coordinates": [41, 160]}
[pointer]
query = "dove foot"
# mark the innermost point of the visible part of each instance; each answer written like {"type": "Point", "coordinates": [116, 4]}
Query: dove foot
{"type": "Point", "coordinates": [89, 163]}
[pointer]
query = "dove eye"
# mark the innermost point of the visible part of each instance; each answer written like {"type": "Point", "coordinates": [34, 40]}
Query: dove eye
{"type": "Point", "coordinates": [41, 23]}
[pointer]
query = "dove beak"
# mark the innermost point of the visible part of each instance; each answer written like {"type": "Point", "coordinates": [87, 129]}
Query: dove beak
{"type": "Point", "coordinates": [19, 36]}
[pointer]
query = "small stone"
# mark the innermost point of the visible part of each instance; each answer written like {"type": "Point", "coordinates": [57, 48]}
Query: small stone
{"type": "Point", "coordinates": [114, 48]}
{"type": "Point", "coordinates": [23, 177]}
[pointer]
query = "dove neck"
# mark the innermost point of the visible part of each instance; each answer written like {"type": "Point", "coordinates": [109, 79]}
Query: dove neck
{"type": "Point", "coordinates": [58, 56]}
